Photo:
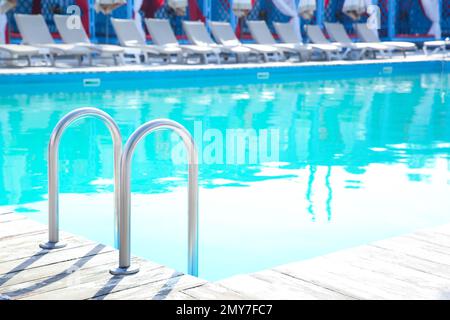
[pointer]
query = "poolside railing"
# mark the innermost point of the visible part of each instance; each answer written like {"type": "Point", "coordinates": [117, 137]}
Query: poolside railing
{"type": "Point", "coordinates": [53, 181]}
{"type": "Point", "coordinates": [122, 175]}
{"type": "Point", "coordinates": [125, 196]}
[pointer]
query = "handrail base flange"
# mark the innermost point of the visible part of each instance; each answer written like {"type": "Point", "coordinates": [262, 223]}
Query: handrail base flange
{"type": "Point", "coordinates": [124, 271]}
{"type": "Point", "coordinates": [52, 245]}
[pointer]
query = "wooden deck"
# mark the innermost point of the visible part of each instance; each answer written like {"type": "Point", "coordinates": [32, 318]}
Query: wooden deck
{"type": "Point", "coordinates": [80, 270]}
{"type": "Point", "coordinates": [415, 266]}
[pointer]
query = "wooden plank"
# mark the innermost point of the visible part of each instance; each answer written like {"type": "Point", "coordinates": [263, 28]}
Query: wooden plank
{"type": "Point", "coordinates": [439, 239]}
{"type": "Point", "coordinates": [156, 290]}
{"type": "Point", "coordinates": [44, 257]}
{"type": "Point", "coordinates": [78, 271]}
{"type": "Point", "coordinates": [27, 245]}
{"type": "Point", "coordinates": [179, 295]}
{"type": "Point", "coordinates": [414, 266]}
{"type": "Point", "coordinates": [8, 217]}
{"type": "Point", "coordinates": [68, 280]}
{"type": "Point", "coordinates": [54, 271]}
{"type": "Point", "coordinates": [210, 291]}
{"type": "Point", "coordinates": [97, 282]}
{"type": "Point", "coordinates": [19, 227]}
{"type": "Point", "coordinates": [270, 284]}
{"type": "Point", "coordinates": [402, 259]}
{"type": "Point", "coordinates": [417, 248]}
{"type": "Point", "coordinates": [348, 285]}
{"type": "Point", "coordinates": [21, 240]}
{"type": "Point", "coordinates": [367, 259]}
{"type": "Point", "coordinates": [339, 275]}
{"type": "Point", "coordinates": [408, 267]}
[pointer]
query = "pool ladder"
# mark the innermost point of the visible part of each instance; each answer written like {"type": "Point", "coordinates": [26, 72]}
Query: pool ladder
{"type": "Point", "coordinates": [122, 192]}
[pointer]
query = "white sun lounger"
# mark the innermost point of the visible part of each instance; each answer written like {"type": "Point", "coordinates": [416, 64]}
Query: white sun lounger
{"type": "Point", "coordinates": [130, 38]}
{"type": "Point", "coordinates": [163, 35]}
{"type": "Point", "coordinates": [78, 36]}
{"type": "Point", "coordinates": [316, 36]}
{"type": "Point", "coordinates": [34, 32]}
{"type": "Point", "coordinates": [224, 34]}
{"type": "Point", "coordinates": [436, 46]}
{"type": "Point", "coordinates": [337, 33]}
{"type": "Point", "coordinates": [262, 35]}
{"type": "Point", "coordinates": [197, 34]}
{"type": "Point", "coordinates": [287, 35]}
{"type": "Point", "coordinates": [17, 51]}
{"type": "Point", "coordinates": [368, 35]}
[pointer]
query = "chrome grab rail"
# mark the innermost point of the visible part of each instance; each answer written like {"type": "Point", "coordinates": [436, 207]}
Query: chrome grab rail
{"type": "Point", "coordinates": [53, 147]}
{"type": "Point", "coordinates": [125, 196]}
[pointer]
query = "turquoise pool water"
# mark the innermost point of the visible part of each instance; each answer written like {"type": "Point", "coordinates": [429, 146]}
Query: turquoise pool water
{"type": "Point", "coordinates": [360, 159]}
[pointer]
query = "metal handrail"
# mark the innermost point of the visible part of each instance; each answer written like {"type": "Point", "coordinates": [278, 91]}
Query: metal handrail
{"type": "Point", "coordinates": [53, 192]}
{"type": "Point", "coordinates": [125, 203]}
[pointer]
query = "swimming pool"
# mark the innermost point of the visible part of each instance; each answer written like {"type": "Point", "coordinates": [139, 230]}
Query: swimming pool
{"type": "Point", "coordinates": [361, 157]}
